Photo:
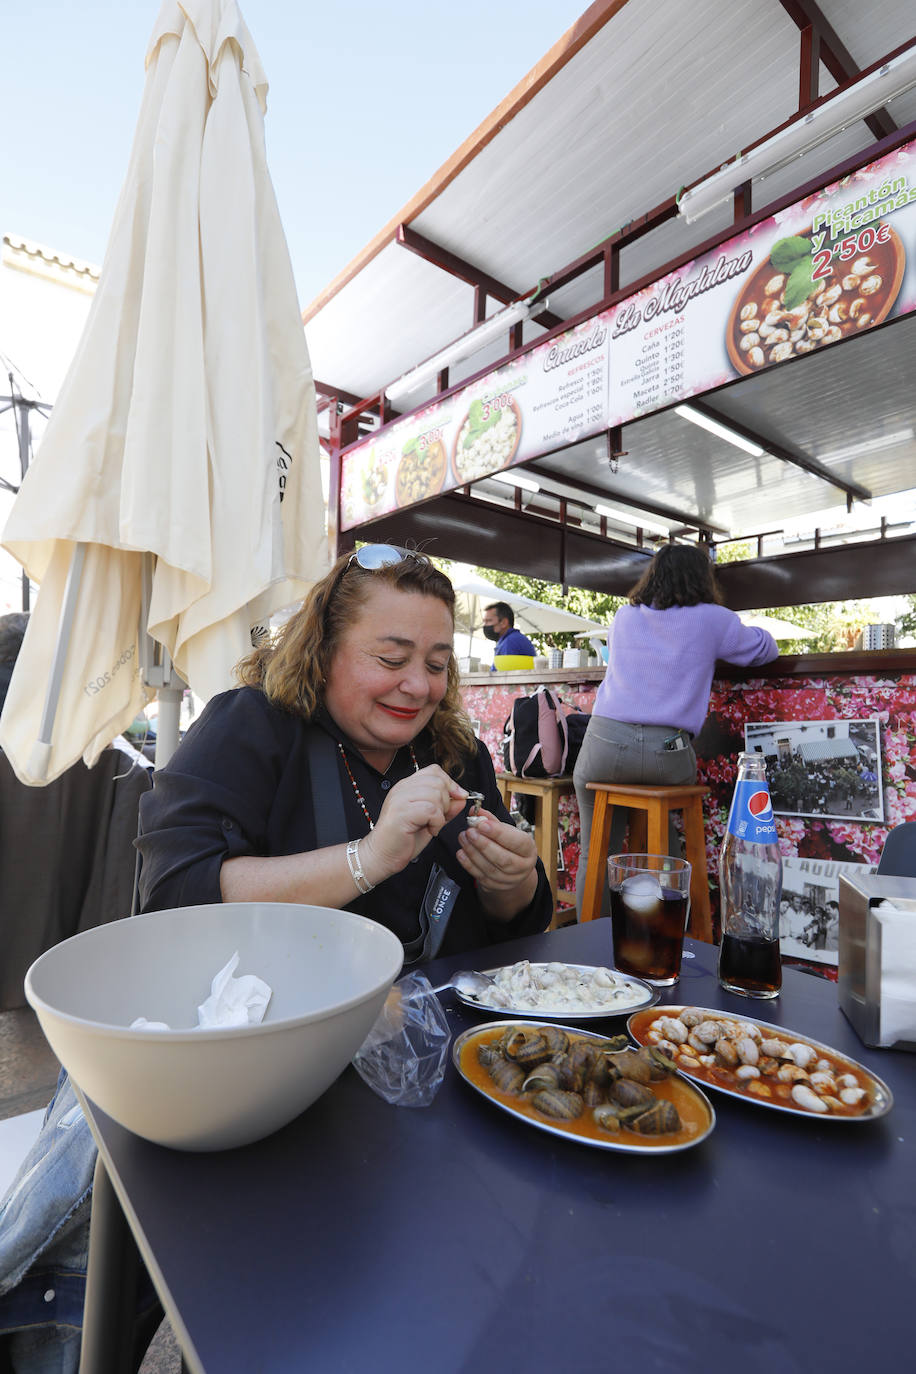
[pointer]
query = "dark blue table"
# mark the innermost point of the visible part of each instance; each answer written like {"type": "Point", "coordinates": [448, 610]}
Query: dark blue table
{"type": "Point", "coordinates": [364, 1237]}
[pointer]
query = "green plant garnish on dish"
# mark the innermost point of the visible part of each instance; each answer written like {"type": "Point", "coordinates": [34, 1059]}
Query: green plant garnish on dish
{"type": "Point", "coordinates": [792, 257]}
{"type": "Point", "coordinates": [800, 284]}
{"type": "Point", "coordinates": [478, 424]}
{"type": "Point", "coordinates": [787, 253]}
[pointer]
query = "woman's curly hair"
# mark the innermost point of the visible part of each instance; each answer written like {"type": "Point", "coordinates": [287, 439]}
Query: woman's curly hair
{"type": "Point", "coordinates": [679, 575]}
{"type": "Point", "coordinates": [291, 668]}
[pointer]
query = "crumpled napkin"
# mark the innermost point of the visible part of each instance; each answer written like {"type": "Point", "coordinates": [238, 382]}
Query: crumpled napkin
{"type": "Point", "coordinates": [232, 1002]}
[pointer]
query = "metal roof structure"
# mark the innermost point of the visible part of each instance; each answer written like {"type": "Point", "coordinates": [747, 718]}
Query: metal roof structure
{"type": "Point", "coordinates": [571, 188]}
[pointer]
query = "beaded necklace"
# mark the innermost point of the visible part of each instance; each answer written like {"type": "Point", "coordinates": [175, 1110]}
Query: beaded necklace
{"type": "Point", "coordinates": [355, 785]}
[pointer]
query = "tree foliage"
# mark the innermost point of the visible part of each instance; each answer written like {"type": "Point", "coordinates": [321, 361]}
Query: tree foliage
{"type": "Point", "coordinates": [906, 624]}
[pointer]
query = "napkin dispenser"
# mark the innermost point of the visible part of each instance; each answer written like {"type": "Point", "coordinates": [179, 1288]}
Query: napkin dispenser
{"type": "Point", "coordinates": [876, 977]}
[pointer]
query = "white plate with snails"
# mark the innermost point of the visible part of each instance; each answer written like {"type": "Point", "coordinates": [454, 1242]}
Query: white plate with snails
{"type": "Point", "coordinates": [584, 1087]}
{"type": "Point", "coordinates": [762, 1063]}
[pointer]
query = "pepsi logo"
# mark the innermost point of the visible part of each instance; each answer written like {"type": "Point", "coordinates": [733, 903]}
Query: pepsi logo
{"type": "Point", "coordinates": [758, 803]}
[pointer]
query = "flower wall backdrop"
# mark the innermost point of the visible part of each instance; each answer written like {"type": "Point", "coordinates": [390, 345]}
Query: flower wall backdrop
{"type": "Point", "coordinates": [889, 699]}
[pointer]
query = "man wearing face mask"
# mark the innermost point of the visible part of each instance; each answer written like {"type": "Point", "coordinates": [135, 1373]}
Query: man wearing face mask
{"type": "Point", "coordinates": [499, 626]}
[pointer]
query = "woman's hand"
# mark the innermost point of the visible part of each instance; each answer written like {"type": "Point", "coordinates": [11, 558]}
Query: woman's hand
{"type": "Point", "coordinates": [414, 811]}
{"type": "Point", "coordinates": [503, 862]}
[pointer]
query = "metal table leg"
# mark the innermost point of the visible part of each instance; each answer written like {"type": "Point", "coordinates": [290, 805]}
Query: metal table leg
{"type": "Point", "coordinates": [111, 1284]}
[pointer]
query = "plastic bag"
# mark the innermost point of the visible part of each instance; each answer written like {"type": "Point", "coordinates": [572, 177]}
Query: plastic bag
{"type": "Point", "coordinates": [403, 1057]}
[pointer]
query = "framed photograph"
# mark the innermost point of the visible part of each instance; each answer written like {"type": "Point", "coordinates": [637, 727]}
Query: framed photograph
{"type": "Point", "coordinates": [825, 768]}
{"type": "Point", "coordinates": [809, 914]}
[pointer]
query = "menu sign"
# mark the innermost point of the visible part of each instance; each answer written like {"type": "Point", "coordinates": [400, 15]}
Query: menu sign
{"type": "Point", "coordinates": [837, 263]}
{"type": "Point", "coordinates": [554, 395]}
{"type": "Point", "coordinates": [826, 268]}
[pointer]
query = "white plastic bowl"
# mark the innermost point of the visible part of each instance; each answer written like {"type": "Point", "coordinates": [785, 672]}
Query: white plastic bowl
{"type": "Point", "coordinates": [330, 972]}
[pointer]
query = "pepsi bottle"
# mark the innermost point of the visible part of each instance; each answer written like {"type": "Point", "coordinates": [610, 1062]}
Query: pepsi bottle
{"type": "Point", "coordinates": [750, 887]}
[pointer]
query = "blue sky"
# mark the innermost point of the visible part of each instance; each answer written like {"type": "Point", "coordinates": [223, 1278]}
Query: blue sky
{"type": "Point", "coordinates": [366, 101]}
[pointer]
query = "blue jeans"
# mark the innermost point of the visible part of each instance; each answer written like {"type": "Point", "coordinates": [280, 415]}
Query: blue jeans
{"type": "Point", "coordinates": [616, 751]}
{"type": "Point", "coordinates": [44, 1243]}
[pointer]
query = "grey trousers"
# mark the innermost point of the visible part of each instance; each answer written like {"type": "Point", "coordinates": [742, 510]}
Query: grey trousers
{"type": "Point", "coordinates": [615, 751]}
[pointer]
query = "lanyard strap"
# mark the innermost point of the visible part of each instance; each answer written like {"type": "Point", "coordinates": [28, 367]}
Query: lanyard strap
{"type": "Point", "coordinates": [327, 793]}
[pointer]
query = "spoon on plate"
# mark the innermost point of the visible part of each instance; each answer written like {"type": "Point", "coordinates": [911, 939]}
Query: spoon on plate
{"type": "Point", "coordinates": [468, 983]}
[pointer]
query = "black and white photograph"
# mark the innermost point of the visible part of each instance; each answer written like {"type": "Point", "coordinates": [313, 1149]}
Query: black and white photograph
{"type": "Point", "coordinates": [809, 913]}
{"type": "Point", "coordinates": [828, 768]}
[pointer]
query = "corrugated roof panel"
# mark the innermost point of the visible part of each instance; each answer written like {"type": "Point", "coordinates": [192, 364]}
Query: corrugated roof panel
{"type": "Point", "coordinates": [643, 109]}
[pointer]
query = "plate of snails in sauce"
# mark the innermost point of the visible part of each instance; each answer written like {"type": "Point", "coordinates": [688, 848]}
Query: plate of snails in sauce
{"type": "Point", "coordinates": [589, 1088]}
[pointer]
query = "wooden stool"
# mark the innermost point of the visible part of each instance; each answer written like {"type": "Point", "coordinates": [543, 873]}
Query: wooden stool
{"type": "Point", "coordinates": [649, 835]}
{"type": "Point", "coordinates": [547, 793]}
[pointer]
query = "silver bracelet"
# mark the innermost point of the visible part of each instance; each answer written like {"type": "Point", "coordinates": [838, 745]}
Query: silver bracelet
{"type": "Point", "coordinates": [363, 884]}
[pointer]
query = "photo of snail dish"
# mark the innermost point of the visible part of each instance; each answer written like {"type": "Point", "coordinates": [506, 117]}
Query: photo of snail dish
{"type": "Point", "coordinates": [799, 300]}
{"type": "Point", "coordinates": [421, 470]}
{"type": "Point", "coordinates": [762, 1063]}
{"type": "Point", "coordinates": [488, 438]}
{"type": "Point", "coordinates": [573, 992]}
{"type": "Point", "coordinates": [598, 1091]}
{"type": "Point", "coordinates": [374, 477]}
{"type": "Point", "coordinates": [365, 486]}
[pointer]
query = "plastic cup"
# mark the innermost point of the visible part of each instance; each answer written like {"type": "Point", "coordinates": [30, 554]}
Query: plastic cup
{"type": "Point", "coordinates": [650, 906]}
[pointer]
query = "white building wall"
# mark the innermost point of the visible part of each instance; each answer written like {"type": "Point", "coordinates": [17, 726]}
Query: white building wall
{"type": "Point", "coordinates": [44, 301]}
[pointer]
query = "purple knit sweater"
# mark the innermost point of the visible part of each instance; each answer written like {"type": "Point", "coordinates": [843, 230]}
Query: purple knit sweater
{"type": "Point", "coordinates": [660, 663]}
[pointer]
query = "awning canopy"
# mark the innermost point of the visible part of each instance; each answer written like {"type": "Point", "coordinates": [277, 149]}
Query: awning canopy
{"type": "Point", "coordinates": [827, 750]}
{"type": "Point", "coordinates": [640, 99]}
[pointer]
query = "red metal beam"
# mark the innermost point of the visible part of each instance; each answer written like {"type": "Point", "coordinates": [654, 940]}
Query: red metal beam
{"type": "Point", "coordinates": [336, 393]}
{"type": "Point", "coordinates": [809, 67]}
{"type": "Point", "coordinates": [836, 57]}
{"type": "Point", "coordinates": [465, 271]}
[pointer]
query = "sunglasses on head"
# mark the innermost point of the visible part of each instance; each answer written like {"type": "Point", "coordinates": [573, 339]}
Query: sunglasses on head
{"type": "Point", "coordinates": [373, 556]}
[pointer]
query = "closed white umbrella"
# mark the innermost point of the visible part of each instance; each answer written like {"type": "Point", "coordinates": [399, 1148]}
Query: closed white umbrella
{"type": "Point", "coordinates": [186, 427]}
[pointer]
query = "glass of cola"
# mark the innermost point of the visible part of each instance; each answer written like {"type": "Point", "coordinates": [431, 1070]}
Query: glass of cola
{"type": "Point", "coordinates": [650, 904]}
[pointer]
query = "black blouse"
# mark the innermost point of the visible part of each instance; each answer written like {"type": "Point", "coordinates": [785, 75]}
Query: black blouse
{"type": "Point", "coordinates": [239, 784]}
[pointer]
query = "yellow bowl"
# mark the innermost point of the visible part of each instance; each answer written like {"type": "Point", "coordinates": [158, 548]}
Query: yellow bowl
{"type": "Point", "coordinates": [513, 662]}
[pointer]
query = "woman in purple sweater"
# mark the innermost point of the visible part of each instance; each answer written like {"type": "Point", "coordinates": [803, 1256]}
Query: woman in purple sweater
{"type": "Point", "coordinates": [662, 650]}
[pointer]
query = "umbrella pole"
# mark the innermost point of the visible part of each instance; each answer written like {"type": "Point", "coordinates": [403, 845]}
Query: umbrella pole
{"type": "Point", "coordinates": [41, 749]}
{"type": "Point", "coordinates": [167, 727]}
{"type": "Point", "coordinates": [158, 672]}
{"type": "Point", "coordinates": [472, 625]}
